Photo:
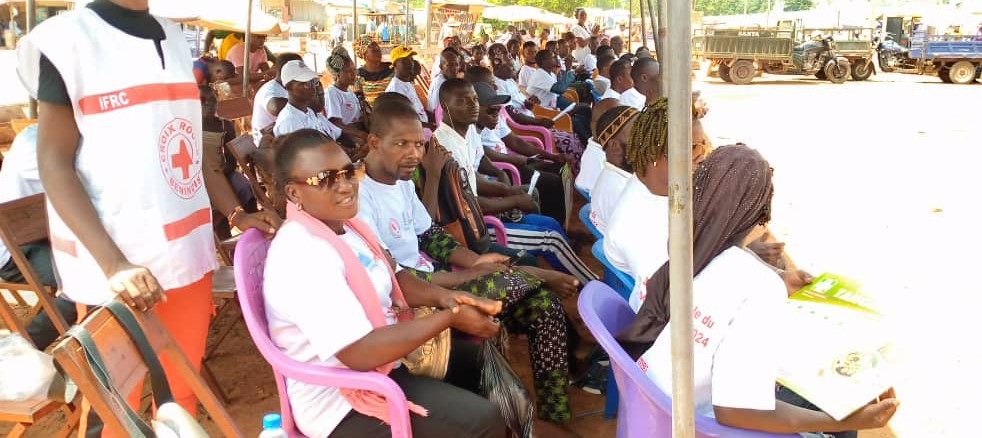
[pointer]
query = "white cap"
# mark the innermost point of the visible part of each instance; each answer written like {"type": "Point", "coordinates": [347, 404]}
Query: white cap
{"type": "Point", "coordinates": [296, 71]}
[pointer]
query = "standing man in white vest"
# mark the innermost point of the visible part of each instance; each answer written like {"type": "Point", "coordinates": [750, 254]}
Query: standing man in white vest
{"type": "Point", "coordinates": [120, 157]}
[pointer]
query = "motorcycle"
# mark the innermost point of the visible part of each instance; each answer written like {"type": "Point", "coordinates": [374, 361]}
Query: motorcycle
{"type": "Point", "coordinates": [819, 57]}
{"type": "Point", "coordinates": [892, 56]}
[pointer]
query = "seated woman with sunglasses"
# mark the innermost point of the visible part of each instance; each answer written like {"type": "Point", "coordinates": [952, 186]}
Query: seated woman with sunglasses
{"type": "Point", "coordinates": [332, 299]}
{"type": "Point", "coordinates": [737, 301]}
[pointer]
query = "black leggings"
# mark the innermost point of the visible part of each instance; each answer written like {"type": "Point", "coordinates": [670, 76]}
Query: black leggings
{"type": "Point", "coordinates": [453, 412]}
{"type": "Point", "coordinates": [550, 186]}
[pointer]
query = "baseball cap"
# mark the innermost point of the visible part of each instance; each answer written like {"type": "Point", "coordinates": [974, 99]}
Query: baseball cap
{"type": "Point", "coordinates": [400, 52]}
{"type": "Point", "coordinates": [297, 71]}
{"type": "Point", "coordinates": [487, 96]}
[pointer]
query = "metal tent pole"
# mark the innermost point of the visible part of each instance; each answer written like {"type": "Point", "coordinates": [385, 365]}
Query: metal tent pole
{"type": "Point", "coordinates": [676, 71]}
{"type": "Point", "coordinates": [409, 14]}
{"type": "Point", "coordinates": [354, 32]}
{"type": "Point", "coordinates": [31, 19]}
{"type": "Point", "coordinates": [630, 24]}
{"type": "Point", "coordinates": [429, 23]}
{"type": "Point", "coordinates": [248, 53]}
{"type": "Point", "coordinates": [644, 33]}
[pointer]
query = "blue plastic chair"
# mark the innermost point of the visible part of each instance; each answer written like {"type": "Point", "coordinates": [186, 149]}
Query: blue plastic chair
{"type": "Point", "coordinates": [585, 218]}
{"type": "Point", "coordinates": [586, 194]}
{"type": "Point", "coordinates": [645, 411]}
{"type": "Point", "coordinates": [618, 280]}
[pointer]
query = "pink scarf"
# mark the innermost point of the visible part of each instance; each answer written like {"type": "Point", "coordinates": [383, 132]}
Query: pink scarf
{"type": "Point", "coordinates": [364, 402]}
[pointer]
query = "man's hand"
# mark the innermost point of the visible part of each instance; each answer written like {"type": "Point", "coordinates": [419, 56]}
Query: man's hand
{"type": "Point", "coordinates": [492, 257]}
{"type": "Point", "coordinates": [532, 101]}
{"type": "Point", "coordinates": [435, 157]}
{"type": "Point", "coordinates": [525, 202]}
{"type": "Point", "coordinates": [265, 221]}
{"type": "Point", "coordinates": [876, 414]}
{"type": "Point", "coordinates": [136, 286]}
{"type": "Point", "coordinates": [796, 279]}
{"type": "Point", "coordinates": [472, 321]}
{"type": "Point", "coordinates": [546, 122]}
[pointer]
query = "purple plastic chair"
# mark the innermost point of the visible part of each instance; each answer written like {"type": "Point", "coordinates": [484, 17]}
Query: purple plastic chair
{"type": "Point", "coordinates": [250, 262]}
{"type": "Point", "coordinates": [550, 143]}
{"type": "Point", "coordinates": [644, 410]}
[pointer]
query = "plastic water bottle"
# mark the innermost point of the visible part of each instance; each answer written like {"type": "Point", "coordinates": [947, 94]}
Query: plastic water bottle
{"type": "Point", "coordinates": [272, 427]}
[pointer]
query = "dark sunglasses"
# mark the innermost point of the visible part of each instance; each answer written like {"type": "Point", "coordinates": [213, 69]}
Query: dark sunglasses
{"type": "Point", "coordinates": [327, 179]}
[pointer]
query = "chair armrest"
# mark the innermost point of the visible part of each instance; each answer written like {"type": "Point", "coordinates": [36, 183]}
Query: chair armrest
{"type": "Point", "coordinates": [534, 141]}
{"type": "Point", "coordinates": [500, 235]}
{"type": "Point", "coordinates": [545, 135]}
{"type": "Point", "coordinates": [516, 177]}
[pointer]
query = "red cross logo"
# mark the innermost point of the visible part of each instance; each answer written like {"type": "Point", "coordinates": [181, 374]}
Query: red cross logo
{"type": "Point", "coordinates": [182, 159]}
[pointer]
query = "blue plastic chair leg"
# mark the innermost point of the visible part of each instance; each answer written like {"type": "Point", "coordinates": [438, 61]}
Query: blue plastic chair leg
{"type": "Point", "coordinates": [612, 396]}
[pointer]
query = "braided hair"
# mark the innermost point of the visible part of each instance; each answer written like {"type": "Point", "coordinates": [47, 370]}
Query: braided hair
{"type": "Point", "coordinates": [338, 59]}
{"type": "Point", "coordinates": [649, 137]}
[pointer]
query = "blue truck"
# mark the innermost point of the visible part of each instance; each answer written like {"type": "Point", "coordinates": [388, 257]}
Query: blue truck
{"type": "Point", "coordinates": [955, 59]}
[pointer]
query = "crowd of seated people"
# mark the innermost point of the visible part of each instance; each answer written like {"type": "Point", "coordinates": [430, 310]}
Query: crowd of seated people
{"type": "Point", "coordinates": [369, 185]}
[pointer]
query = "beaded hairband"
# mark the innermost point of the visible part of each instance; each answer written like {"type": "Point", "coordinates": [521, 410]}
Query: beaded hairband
{"type": "Point", "coordinates": [615, 126]}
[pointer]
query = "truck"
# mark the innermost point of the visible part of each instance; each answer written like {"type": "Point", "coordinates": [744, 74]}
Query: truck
{"type": "Point", "coordinates": [955, 59]}
{"type": "Point", "coordinates": [740, 54]}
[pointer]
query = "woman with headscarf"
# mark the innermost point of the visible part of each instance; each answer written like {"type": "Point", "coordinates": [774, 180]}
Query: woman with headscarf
{"type": "Point", "coordinates": [737, 304]}
{"type": "Point", "coordinates": [344, 108]}
{"type": "Point", "coordinates": [374, 75]}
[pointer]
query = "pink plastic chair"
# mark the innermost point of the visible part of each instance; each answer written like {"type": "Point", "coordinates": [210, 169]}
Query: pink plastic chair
{"type": "Point", "coordinates": [545, 134]}
{"type": "Point", "coordinates": [250, 262]}
{"type": "Point", "coordinates": [516, 177]}
{"type": "Point", "coordinates": [644, 410]}
{"type": "Point", "coordinates": [500, 235]}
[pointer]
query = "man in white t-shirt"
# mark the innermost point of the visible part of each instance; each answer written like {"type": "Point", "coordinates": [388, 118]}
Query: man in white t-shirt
{"type": "Point", "coordinates": [593, 159]}
{"type": "Point", "coordinates": [644, 73]}
{"type": "Point", "coordinates": [270, 99]}
{"type": "Point", "coordinates": [449, 68]}
{"type": "Point", "coordinates": [529, 49]}
{"type": "Point", "coordinates": [402, 83]}
{"type": "Point", "coordinates": [296, 115]}
{"type": "Point", "coordinates": [620, 79]}
{"type": "Point", "coordinates": [613, 134]}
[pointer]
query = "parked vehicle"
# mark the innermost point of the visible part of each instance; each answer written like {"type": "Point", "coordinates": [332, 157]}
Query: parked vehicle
{"type": "Point", "coordinates": [854, 44]}
{"type": "Point", "coordinates": [740, 53]}
{"type": "Point", "coordinates": [956, 59]}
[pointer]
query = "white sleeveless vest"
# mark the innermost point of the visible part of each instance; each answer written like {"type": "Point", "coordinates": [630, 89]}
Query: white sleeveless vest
{"type": "Point", "coordinates": [140, 154]}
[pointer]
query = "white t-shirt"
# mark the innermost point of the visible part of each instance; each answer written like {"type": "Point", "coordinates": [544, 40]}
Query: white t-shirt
{"type": "Point", "coordinates": [510, 87]}
{"type": "Point", "coordinates": [261, 118]}
{"type": "Point", "coordinates": [407, 89]}
{"type": "Point", "coordinates": [342, 104]}
{"type": "Point", "coordinates": [633, 97]}
{"type": "Point", "coordinates": [589, 62]}
{"type": "Point", "coordinates": [398, 217]}
{"type": "Point", "coordinates": [580, 53]}
{"type": "Point", "coordinates": [468, 150]}
{"type": "Point", "coordinates": [19, 175]}
{"type": "Point", "coordinates": [433, 99]}
{"type": "Point", "coordinates": [605, 195]}
{"type": "Point", "coordinates": [524, 74]}
{"type": "Point", "coordinates": [601, 84]}
{"type": "Point", "coordinates": [737, 303]}
{"type": "Point", "coordinates": [492, 138]}
{"type": "Point", "coordinates": [611, 94]}
{"type": "Point", "coordinates": [540, 85]}
{"type": "Point", "coordinates": [636, 240]}
{"type": "Point", "coordinates": [591, 164]}
{"type": "Point", "coordinates": [313, 314]}
{"type": "Point", "coordinates": [291, 119]}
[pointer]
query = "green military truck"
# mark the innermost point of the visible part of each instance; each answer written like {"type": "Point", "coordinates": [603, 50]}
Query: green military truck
{"type": "Point", "coordinates": [739, 54]}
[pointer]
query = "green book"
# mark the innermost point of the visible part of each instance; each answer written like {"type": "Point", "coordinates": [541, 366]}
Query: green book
{"type": "Point", "coordinates": [838, 355]}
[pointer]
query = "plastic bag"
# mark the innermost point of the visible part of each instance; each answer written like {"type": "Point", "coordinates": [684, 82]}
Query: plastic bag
{"type": "Point", "coordinates": [505, 390]}
{"type": "Point", "coordinates": [25, 372]}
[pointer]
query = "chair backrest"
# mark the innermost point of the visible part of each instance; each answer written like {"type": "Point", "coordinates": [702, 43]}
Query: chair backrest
{"type": "Point", "coordinates": [242, 149]}
{"type": "Point", "coordinates": [543, 134]}
{"type": "Point", "coordinates": [250, 263]}
{"type": "Point", "coordinates": [24, 221]}
{"type": "Point", "coordinates": [127, 369]}
{"type": "Point", "coordinates": [644, 409]}
{"type": "Point", "coordinates": [585, 218]}
{"type": "Point", "coordinates": [617, 279]}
